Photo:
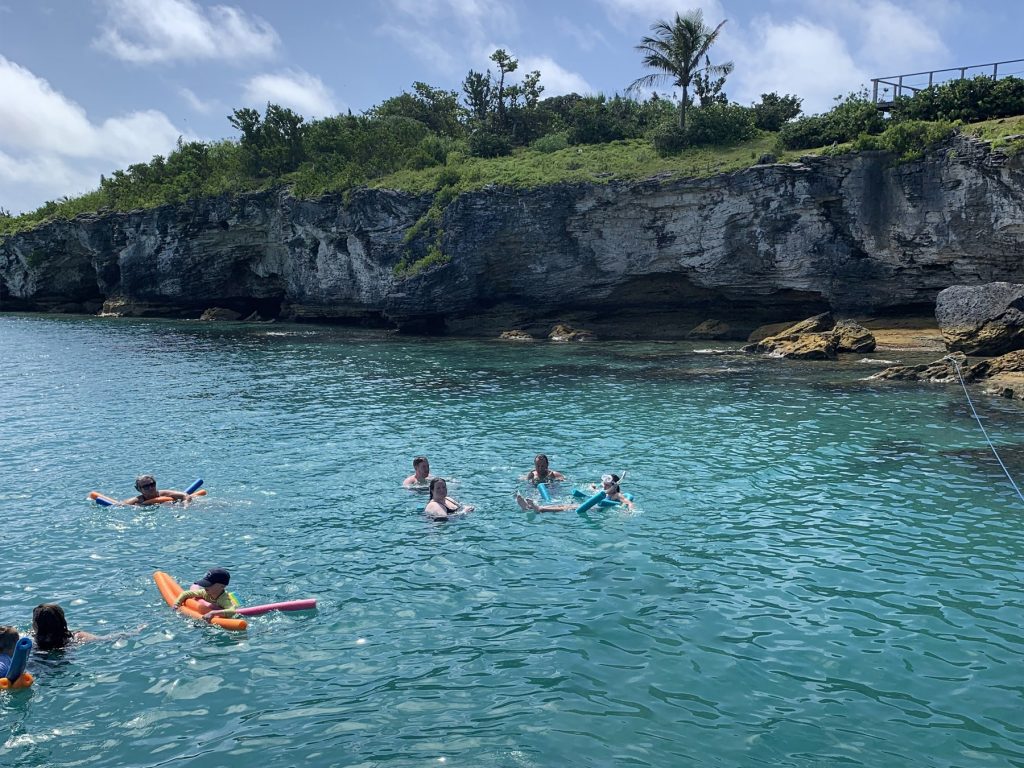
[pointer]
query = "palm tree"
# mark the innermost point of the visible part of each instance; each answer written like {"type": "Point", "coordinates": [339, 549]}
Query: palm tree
{"type": "Point", "coordinates": [677, 49]}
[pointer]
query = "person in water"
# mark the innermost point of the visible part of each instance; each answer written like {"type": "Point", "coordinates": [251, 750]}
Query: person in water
{"type": "Point", "coordinates": [146, 486]}
{"type": "Point", "coordinates": [420, 475]}
{"type": "Point", "coordinates": [541, 472]}
{"type": "Point", "coordinates": [8, 640]}
{"type": "Point", "coordinates": [213, 589]}
{"type": "Point", "coordinates": [50, 629]}
{"type": "Point", "coordinates": [609, 484]}
{"type": "Point", "coordinates": [442, 506]}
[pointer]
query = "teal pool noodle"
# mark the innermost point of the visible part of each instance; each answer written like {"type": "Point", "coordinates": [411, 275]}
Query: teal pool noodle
{"type": "Point", "coordinates": [19, 659]}
{"type": "Point", "coordinates": [195, 486]}
{"type": "Point", "coordinates": [544, 494]}
{"type": "Point", "coordinates": [604, 502]}
{"type": "Point", "coordinates": [597, 498]}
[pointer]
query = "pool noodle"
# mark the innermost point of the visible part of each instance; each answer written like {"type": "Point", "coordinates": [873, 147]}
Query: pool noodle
{"type": "Point", "coordinates": [195, 486]}
{"type": "Point", "coordinates": [597, 498]}
{"type": "Point", "coordinates": [106, 501]}
{"type": "Point", "coordinates": [544, 494]}
{"type": "Point", "coordinates": [604, 502]}
{"type": "Point", "coordinates": [290, 605]}
{"type": "Point", "coordinates": [19, 659]}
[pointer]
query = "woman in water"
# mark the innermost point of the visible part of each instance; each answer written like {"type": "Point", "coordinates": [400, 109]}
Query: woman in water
{"type": "Point", "coordinates": [442, 506]}
{"type": "Point", "coordinates": [50, 629]}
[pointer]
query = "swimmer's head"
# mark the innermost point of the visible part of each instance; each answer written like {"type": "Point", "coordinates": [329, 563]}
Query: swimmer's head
{"type": "Point", "coordinates": [421, 466]}
{"type": "Point", "coordinates": [144, 483]}
{"type": "Point", "coordinates": [50, 627]}
{"type": "Point", "coordinates": [610, 483]}
{"type": "Point", "coordinates": [8, 639]}
{"type": "Point", "coordinates": [441, 486]}
{"type": "Point", "coordinates": [540, 462]}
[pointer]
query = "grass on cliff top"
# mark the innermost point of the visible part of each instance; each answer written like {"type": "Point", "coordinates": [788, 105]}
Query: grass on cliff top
{"type": "Point", "coordinates": [588, 163]}
{"type": "Point", "coordinates": [1006, 133]}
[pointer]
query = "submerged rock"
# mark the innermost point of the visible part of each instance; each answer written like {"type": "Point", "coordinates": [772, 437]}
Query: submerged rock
{"type": "Point", "coordinates": [516, 336]}
{"type": "Point", "coordinates": [220, 314]}
{"type": "Point", "coordinates": [564, 333]}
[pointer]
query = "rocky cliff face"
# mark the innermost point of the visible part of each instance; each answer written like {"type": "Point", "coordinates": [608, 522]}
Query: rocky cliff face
{"type": "Point", "coordinates": [855, 234]}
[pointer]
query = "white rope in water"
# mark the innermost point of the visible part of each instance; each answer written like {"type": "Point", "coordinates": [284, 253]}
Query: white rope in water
{"type": "Point", "coordinates": [977, 418]}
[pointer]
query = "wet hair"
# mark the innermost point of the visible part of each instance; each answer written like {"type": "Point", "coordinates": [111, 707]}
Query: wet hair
{"type": "Point", "coordinates": [50, 627]}
{"type": "Point", "coordinates": [8, 639]}
{"type": "Point", "coordinates": [434, 482]}
{"type": "Point", "coordinates": [615, 483]}
{"type": "Point", "coordinates": [142, 480]}
{"type": "Point", "coordinates": [419, 460]}
{"type": "Point", "coordinates": [540, 456]}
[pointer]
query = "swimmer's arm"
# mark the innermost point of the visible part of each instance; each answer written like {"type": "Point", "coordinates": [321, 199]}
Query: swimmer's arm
{"type": "Point", "coordinates": [133, 501]}
{"type": "Point", "coordinates": [196, 593]}
{"type": "Point", "coordinates": [556, 475]}
{"type": "Point", "coordinates": [177, 496]}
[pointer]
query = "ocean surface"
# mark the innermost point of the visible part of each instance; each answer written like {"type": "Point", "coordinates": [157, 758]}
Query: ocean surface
{"type": "Point", "coordinates": [820, 571]}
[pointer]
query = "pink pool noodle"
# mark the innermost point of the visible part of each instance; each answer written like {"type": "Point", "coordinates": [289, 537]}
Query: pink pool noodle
{"type": "Point", "coordinates": [291, 605]}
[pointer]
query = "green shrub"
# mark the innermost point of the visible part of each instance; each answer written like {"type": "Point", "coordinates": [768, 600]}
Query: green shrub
{"type": "Point", "coordinates": [774, 111]}
{"type": "Point", "coordinates": [908, 139]}
{"type": "Point", "coordinates": [971, 100]}
{"type": "Point", "coordinates": [668, 138]}
{"type": "Point", "coordinates": [551, 143]}
{"type": "Point", "coordinates": [484, 143]}
{"type": "Point", "coordinates": [719, 124]}
{"type": "Point", "coordinates": [852, 116]}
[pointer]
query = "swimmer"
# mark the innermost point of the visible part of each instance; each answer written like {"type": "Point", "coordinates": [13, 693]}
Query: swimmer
{"type": "Point", "coordinates": [8, 641]}
{"type": "Point", "coordinates": [541, 473]}
{"type": "Point", "coordinates": [146, 486]}
{"type": "Point", "coordinates": [50, 629]}
{"type": "Point", "coordinates": [442, 506]}
{"type": "Point", "coordinates": [421, 473]}
{"type": "Point", "coordinates": [213, 589]}
{"type": "Point", "coordinates": [609, 484]}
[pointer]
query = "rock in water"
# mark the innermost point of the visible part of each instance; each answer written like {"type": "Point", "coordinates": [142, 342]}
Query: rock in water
{"type": "Point", "coordinates": [982, 319]}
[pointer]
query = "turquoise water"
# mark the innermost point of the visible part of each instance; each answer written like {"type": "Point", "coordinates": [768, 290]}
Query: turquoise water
{"type": "Point", "coordinates": [820, 572]}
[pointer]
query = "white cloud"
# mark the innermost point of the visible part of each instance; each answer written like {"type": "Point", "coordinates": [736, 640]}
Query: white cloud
{"type": "Point", "coordinates": [621, 12]}
{"type": "Point", "coordinates": [297, 90]}
{"type": "Point", "coordinates": [893, 39]}
{"type": "Point", "coordinates": [585, 36]}
{"type": "Point", "coordinates": [197, 104]}
{"type": "Point", "coordinates": [798, 57]}
{"type": "Point", "coordinates": [149, 31]}
{"type": "Point", "coordinates": [49, 147]}
{"type": "Point", "coordinates": [556, 80]}
{"type": "Point", "coordinates": [433, 29]}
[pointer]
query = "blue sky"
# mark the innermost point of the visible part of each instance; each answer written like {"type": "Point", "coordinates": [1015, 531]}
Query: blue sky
{"type": "Point", "coordinates": [88, 86]}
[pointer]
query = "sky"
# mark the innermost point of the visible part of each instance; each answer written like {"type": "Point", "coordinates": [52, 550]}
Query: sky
{"type": "Point", "coordinates": [90, 86]}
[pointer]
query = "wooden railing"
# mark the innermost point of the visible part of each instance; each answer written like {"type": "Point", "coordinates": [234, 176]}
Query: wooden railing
{"type": "Point", "coordinates": [885, 90]}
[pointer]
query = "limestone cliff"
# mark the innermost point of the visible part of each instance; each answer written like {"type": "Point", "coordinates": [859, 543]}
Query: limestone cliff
{"type": "Point", "coordinates": [854, 234]}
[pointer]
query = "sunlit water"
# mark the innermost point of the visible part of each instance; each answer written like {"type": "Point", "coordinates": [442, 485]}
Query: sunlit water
{"type": "Point", "coordinates": [820, 571]}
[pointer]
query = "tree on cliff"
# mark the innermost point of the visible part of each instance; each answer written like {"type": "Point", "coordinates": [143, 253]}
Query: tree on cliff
{"type": "Point", "coordinates": [677, 49]}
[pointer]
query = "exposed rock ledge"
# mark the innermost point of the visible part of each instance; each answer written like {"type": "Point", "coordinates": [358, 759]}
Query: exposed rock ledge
{"type": "Point", "coordinates": [856, 235]}
{"type": "Point", "coordinates": [1003, 375]}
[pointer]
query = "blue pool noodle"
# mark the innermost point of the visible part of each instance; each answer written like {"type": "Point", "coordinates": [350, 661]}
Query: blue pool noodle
{"type": "Point", "coordinates": [604, 502]}
{"type": "Point", "coordinates": [195, 486]}
{"type": "Point", "coordinates": [103, 501]}
{"type": "Point", "coordinates": [544, 494]}
{"type": "Point", "coordinates": [597, 498]}
{"type": "Point", "coordinates": [19, 659]}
